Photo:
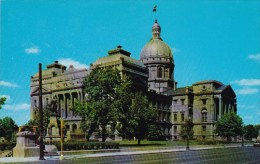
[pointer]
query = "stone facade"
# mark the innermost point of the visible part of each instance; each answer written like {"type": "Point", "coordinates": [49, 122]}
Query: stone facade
{"type": "Point", "coordinates": [208, 101]}
{"type": "Point", "coordinates": [64, 86]}
{"type": "Point", "coordinates": [204, 102]}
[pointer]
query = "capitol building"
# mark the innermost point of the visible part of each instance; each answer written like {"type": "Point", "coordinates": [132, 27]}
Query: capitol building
{"type": "Point", "coordinates": [203, 102]}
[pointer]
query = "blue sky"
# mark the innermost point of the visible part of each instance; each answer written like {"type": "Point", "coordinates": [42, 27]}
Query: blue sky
{"type": "Point", "coordinates": [211, 40]}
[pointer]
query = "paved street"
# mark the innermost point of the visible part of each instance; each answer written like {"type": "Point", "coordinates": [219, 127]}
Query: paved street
{"type": "Point", "coordinates": [236, 155]}
{"type": "Point", "coordinates": [221, 155]}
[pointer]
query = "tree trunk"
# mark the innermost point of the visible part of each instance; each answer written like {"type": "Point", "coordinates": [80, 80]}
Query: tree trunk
{"type": "Point", "coordinates": [103, 133]}
{"type": "Point", "coordinates": [139, 141]}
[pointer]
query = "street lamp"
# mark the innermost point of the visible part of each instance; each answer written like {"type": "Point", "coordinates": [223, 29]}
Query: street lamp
{"type": "Point", "coordinates": [61, 138]}
{"type": "Point", "coordinates": [41, 113]}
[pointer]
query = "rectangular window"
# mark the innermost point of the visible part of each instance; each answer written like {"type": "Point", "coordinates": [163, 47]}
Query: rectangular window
{"type": "Point", "coordinates": [204, 101]}
{"type": "Point", "coordinates": [182, 101]}
{"type": "Point", "coordinates": [175, 129]}
{"type": "Point", "coordinates": [182, 117]}
{"type": "Point", "coordinates": [175, 117]}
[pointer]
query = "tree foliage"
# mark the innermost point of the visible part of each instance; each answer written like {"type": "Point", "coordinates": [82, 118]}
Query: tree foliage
{"type": "Point", "coordinates": [47, 113]}
{"type": "Point", "coordinates": [2, 101]}
{"type": "Point", "coordinates": [142, 116]}
{"type": "Point", "coordinates": [187, 129]}
{"type": "Point", "coordinates": [230, 125]}
{"type": "Point", "coordinates": [155, 132]}
{"type": "Point", "coordinates": [8, 128]}
{"type": "Point", "coordinates": [250, 132]}
{"type": "Point", "coordinates": [122, 104]}
{"type": "Point", "coordinates": [101, 88]}
{"type": "Point", "coordinates": [87, 114]}
{"type": "Point", "coordinates": [112, 103]}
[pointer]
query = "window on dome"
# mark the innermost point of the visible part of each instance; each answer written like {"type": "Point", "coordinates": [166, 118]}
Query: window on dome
{"type": "Point", "coordinates": [159, 73]}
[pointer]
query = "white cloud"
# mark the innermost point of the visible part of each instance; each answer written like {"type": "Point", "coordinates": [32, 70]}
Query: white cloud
{"type": "Point", "coordinates": [247, 91]}
{"type": "Point", "coordinates": [8, 98]}
{"type": "Point", "coordinates": [68, 61]}
{"type": "Point", "coordinates": [32, 50]}
{"type": "Point", "coordinates": [23, 106]}
{"type": "Point", "coordinates": [247, 82]}
{"type": "Point", "coordinates": [7, 84]}
{"type": "Point", "coordinates": [254, 57]}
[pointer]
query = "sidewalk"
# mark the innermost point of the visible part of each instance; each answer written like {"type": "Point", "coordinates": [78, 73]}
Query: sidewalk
{"type": "Point", "coordinates": [122, 152]}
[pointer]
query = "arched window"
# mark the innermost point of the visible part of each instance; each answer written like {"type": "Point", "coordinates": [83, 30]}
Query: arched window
{"type": "Point", "coordinates": [159, 73]}
{"type": "Point", "coordinates": [204, 115]}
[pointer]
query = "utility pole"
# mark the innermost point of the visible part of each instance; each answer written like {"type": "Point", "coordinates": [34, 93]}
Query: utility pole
{"type": "Point", "coordinates": [41, 113]}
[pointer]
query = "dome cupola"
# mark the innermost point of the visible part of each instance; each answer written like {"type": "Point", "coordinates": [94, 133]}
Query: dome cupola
{"type": "Point", "coordinates": [158, 59]}
{"type": "Point", "coordinates": [156, 30]}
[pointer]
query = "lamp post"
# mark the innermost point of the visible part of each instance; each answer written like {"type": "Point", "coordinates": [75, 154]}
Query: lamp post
{"type": "Point", "coordinates": [41, 113]}
{"type": "Point", "coordinates": [61, 138]}
{"type": "Point", "coordinates": [189, 126]}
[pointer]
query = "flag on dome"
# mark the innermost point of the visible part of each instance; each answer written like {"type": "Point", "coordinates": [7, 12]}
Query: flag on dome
{"type": "Point", "coordinates": [154, 8]}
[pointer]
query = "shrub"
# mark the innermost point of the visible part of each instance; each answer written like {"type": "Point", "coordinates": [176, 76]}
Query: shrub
{"type": "Point", "coordinates": [7, 146]}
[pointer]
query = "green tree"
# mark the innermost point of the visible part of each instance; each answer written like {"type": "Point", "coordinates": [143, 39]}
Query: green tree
{"type": "Point", "coordinates": [87, 114]}
{"type": "Point", "coordinates": [155, 132]}
{"type": "Point", "coordinates": [122, 104]}
{"type": "Point", "coordinates": [142, 116]}
{"type": "Point", "coordinates": [8, 128]}
{"type": "Point", "coordinates": [250, 132]}
{"type": "Point", "coordinates": [230, 125]}
{"type": "Point", "coordinates": [47, 113]}
{"type": "Point", "coordinates": [2, 101]}
{"type": "Point", "coordinates": [101, 88]}
{"type": "Point", "coordinates": [187, 129]}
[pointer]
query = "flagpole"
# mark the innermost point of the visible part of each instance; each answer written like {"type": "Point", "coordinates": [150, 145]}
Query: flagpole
{"type": "Point", "coordinates": [155, 10]}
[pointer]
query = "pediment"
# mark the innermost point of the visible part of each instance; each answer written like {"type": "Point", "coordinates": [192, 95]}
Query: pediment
{"type": "Point", "coordinates": [44, 90]}
{"type": "Point", "coordinates": [229, 91]}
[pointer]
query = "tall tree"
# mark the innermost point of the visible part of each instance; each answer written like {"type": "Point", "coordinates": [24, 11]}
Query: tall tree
{"type": "Point", "coordinates": [142, 116]}
{"type": "Point", "coordinates": [2, 101]}
{"type": "Point", "coordinates": [250, 132]}
{"type": "Point", "coordinates": [122, 103]}
{"type": "Point", "coordinates": [187, 129]}
{"type": "Point", "coordinates": [230, 125]}
{"type": "Point", "coordinates": [101, 88]}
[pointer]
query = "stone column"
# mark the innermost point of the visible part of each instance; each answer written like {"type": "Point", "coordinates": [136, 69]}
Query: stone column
{"type": "Point", "coordinates": [220, 107]}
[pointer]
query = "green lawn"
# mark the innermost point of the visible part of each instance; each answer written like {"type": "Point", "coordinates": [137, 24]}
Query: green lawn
{"type": "Point", "coordinates": [150, 145]}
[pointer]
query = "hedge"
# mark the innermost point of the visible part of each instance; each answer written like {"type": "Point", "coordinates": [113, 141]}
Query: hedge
{"type": "Point", "coordinates": [7, 145]}
{"type": "Point", "coordinates": [86, 145]}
